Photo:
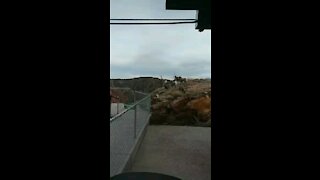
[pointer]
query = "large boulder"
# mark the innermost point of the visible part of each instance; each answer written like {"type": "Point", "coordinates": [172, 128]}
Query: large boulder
{"type": "Point", "coordinates": [179, 104]}
{"type": "Point", "coordinates": [160, 105]}
{"type": "Point", "coordinates": [202, 106]}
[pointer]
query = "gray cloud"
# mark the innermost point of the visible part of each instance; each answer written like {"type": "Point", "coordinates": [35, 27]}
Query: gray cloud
{"type": "Point", "coordinates": [157, 50]}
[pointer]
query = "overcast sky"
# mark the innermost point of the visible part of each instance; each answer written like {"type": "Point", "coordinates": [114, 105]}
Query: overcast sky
{"type": "Point", "coordinates": [161, 50]}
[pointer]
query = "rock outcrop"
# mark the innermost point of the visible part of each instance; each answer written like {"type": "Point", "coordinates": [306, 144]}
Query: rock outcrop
{"type": "Point", "coordinates": [184, 103]}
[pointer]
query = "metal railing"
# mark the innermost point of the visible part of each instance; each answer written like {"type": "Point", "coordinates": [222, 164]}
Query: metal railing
{"type": "Point", "coordinates": [126, 129]}
{"type": "Point", "coordinates": [131, 98]}
{"type": "Point", "coordinates": [140, 109]}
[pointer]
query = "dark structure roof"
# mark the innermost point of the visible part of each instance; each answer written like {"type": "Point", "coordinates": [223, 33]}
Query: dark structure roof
{"type": "Point", "coordinates": [203, 7]}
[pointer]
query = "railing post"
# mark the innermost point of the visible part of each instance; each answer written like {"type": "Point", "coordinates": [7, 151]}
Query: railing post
{"type": "Point", "coordinates": [134, 96]}
{"type": "Point", "coordinates": [117, 108]}
{"type": "Point", "coordinates": [135, 122]}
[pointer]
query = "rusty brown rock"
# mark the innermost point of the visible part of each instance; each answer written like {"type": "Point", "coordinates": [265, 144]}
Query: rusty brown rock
{"type": "Point", "coordinates": [160, 105]}
{"type": "Point", "coordinates": [202, 106]}
{"type": "Point", "coordinates": [179, 104]}
{"type": "Point", "coordinates": [184, 104]}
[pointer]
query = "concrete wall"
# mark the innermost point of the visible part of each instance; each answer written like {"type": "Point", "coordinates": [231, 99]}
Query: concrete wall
{"type": "Point", "coordinates": [114, 108]}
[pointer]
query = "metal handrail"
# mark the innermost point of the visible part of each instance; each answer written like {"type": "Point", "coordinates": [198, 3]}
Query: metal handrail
{"type": "Point", "coordinates": [129, 108]}
{"type": "Point", "coordinates": [141, 92]}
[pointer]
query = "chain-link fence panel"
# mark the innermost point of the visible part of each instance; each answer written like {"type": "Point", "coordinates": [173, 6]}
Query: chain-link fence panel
{"type": "Point", "coordinates": [125, 95]}
{"type": "Point", "coordinates": [143, 113]}
{"type": "Point", "coordinates": [126, 129]}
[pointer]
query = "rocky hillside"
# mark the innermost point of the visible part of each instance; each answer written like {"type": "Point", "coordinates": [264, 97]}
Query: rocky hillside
{"type": "Point", "coordinates": [185, 103]}
{"type": "Point", "coordinates": [180, 102]}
